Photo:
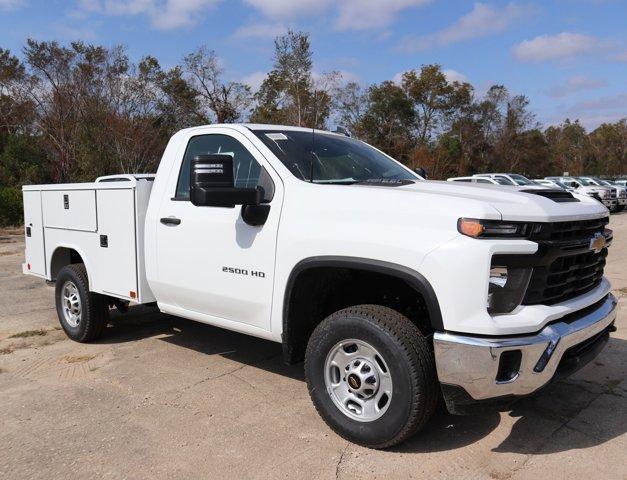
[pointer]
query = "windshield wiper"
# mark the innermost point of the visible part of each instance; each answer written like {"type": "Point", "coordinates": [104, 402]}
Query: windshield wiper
{"type": "Point", "coordinates": [385, 182]}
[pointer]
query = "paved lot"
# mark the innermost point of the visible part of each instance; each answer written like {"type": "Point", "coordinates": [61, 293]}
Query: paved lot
{"type": "Point", "coordinates": [162, 397]}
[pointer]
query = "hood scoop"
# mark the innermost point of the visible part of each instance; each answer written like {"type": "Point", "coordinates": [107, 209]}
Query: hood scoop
{"type": "Point", "coordinates": [558, 196]}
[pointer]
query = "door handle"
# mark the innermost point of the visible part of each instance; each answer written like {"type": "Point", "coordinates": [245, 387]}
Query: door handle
{"type": "Point", "coordinates": [170, 221]}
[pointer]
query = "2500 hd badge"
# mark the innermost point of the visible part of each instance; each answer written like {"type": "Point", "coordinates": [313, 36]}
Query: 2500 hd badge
{"type": "Point", "coordinates": [243, 271]}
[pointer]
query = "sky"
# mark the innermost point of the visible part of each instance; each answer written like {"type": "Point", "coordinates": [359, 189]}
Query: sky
{"type": "Point", "coordinates": [568, 56]}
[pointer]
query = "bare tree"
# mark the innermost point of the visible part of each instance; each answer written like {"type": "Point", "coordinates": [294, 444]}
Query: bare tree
{"type": "Point", "coordinates": [226, 100]}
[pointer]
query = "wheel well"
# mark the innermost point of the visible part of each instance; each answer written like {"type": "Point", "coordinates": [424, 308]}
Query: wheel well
{"type": "Point", "coordinates": [316, 292]}
{"type": "Point", "coordinates": [61, 257]}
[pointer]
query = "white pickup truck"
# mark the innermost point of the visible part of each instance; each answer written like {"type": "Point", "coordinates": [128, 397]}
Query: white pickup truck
{"type": "Point", "coordinates": [395, 291]}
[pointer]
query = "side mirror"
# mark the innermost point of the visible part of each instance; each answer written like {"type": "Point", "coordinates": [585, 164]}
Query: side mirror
{"type": "Point", "coordinates": [422, 172]}
{"type": "Point", "coordinates": [212, 183]}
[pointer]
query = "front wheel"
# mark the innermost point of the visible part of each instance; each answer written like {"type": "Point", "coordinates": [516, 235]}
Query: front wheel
{"type": "Point", "coordinates": [371, 375]}
{"type": "Point", "coordinates": [83, 315]}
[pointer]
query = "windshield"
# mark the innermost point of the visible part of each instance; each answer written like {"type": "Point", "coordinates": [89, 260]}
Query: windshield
{"type": "Point", "coordinates": [521, 180]}
{"type": "Point", "coordinates": [587, 182]}
{"type": "Point", "coordinates": [503, 181]}
{"type": "Point", "coordinates": [335, 159]}
{"type": "Point", "coordinates": [560, 184]}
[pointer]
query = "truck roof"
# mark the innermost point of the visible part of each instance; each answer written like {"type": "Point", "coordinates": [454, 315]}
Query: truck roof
{"type": "Point", "coordinates": [262, 126]}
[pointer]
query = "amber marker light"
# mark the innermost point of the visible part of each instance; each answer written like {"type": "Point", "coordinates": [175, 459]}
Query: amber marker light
{"type": "Point", "coordinates": [470, 227]}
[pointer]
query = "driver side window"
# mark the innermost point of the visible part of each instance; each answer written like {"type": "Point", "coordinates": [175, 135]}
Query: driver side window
{"type": "Point", "coordinates": [246, 170]}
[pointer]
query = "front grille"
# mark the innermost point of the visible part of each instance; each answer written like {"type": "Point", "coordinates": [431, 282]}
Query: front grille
{"type": "Point", "coordinates": [566, 267]}
{"type": "Point", "coordinates": [577, 230]}
{"type": "Point", "coordinates": [565, 278]}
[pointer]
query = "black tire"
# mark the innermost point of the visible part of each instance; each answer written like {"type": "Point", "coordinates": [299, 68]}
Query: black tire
{"type": "Point", "coordinates": [409, 357]}
{"type": "Point", "coordinates": [94, 307]}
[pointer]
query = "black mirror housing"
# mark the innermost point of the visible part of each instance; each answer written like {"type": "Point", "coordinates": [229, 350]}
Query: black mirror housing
{"type": "Point", "coordinates": [212, 183]}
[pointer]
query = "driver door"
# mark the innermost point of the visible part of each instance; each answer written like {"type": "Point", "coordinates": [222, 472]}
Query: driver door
{"type": "Point", "coordinates": [213, 266]}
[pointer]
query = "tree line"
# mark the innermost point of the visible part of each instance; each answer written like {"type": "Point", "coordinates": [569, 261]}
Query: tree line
{"type": "Point", "coordinates": [74, 112]}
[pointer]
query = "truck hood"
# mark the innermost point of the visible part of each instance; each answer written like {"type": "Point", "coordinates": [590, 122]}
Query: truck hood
{"type": "Point", "coordinates": [512, 203]}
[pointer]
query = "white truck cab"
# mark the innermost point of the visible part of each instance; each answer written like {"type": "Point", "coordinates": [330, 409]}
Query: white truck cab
{"type": "Point", "coordinates": [396, 291]}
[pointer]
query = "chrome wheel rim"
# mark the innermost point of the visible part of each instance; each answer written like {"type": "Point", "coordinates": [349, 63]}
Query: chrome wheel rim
{"type": "Point", "coordinates": [71, 304]}
{"type": "Point", "coordinates": [358, 380]}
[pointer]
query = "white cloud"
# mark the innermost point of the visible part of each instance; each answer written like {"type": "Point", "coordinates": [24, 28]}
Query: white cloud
{"type": "Point", "coordinates": [163, 14]}
{"type": "Point", "coordinates": [575, 84]}
{"type": "Point", "coordinates": [609, 102]}
{"type": "Point", "coordinates": [367, 14]}
{"type": "Point", "coordinates": [254, 80]}
{"type": "Point", "coordinates": [259, 30]}
{"type": "Point", "coordinates": [351, 14]}
{"type": "Point", "coordinates": [481, 21]}
{"type": "Point", "coordinates": [591, 113]}
{"type": "Point", "coordinates": [11, 4]}
{"type": "Point", "coordinates": [289, 8]}
{"type": "Point", "coordinates": [450, 74]}
{"type": "Point", "coordinates": [348, 77]}
{"type": "Point", "coordinates": [555, 47]}
{"type": "Point", "coordinates": [454, 76]}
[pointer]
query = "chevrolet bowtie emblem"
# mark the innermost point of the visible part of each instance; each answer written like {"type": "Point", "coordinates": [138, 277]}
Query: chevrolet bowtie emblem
{"type": "Point", "coordinates": [597, 243]}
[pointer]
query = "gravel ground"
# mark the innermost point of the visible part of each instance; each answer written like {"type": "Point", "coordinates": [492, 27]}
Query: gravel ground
{"type": "Point", "coordinates": [163, 397]}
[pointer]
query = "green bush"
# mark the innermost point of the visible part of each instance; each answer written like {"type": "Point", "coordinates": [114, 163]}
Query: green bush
{"type": "Point", "coordinates": [11, 208]}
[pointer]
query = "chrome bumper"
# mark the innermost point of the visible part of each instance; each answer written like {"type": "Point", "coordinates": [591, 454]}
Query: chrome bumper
{"type": "Point", "coordinates": [472, 363]}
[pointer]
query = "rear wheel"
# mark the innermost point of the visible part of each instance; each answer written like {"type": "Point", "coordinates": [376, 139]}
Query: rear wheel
{"type": "Point", "coordinates": [371, 375]}
{"type": "Point", "coordinates": [83, 315]}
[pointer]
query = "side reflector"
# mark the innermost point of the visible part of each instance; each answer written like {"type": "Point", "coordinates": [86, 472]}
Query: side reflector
{"type": "Point", "coordinates": [132, 294]}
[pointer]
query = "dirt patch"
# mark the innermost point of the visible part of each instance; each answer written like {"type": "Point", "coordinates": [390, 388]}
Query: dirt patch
{"type": "Point", "coordinates": [6, 254]}
{"type": "Point", "coordinates": [30, 333]}
{"type": "Point", "coordinates": [78, 358]}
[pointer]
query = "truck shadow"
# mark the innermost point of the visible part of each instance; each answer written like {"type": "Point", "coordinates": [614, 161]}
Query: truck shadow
{"type": "Point", "coordinates": [586, 410]}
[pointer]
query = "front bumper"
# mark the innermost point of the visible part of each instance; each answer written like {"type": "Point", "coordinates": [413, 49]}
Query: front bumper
{"type": "Point", "coordinates": [471, 368]}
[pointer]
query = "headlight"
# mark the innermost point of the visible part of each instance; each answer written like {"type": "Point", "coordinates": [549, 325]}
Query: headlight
{"type": "Point", "coordinates": [507, 288]}
{"type": "Point", "coordinates": [606, 194]}
{"type": "Point", "coordinates": [475, 228]}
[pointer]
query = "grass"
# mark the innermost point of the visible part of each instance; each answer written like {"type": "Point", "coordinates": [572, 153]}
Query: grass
{"type": "Point", "coordinates": [30, 333]}
{"type": "Point", "coordinates": [6, 350]}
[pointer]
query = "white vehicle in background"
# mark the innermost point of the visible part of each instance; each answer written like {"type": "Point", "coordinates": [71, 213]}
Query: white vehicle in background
{"type": "Point", "coordinates": [395, 291]}
{"type": "Point", "coordinates": [618, 191]}
{"type": "Point", "coordinates": [601, 193]}
{"type": "Point", "coordinates": [620, 181]}
{"type": "Point", "coordinates": [484, 180]}
{"type": "Point", "coordinates": [513, 178]}
{"type": "Point", "coordinates": [553, 184]}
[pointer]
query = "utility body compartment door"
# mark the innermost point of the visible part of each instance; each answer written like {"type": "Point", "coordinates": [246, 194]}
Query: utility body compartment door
{"type": "Point", "coordinates": [34, 231]}
{"type": "Point", "coordinates": [116, 252]}
{"type": "Point", "coordinates": [70, 209]}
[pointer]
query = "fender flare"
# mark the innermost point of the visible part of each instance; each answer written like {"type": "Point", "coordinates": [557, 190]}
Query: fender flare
{"type": "Point", "coordinates": [412, 277]}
